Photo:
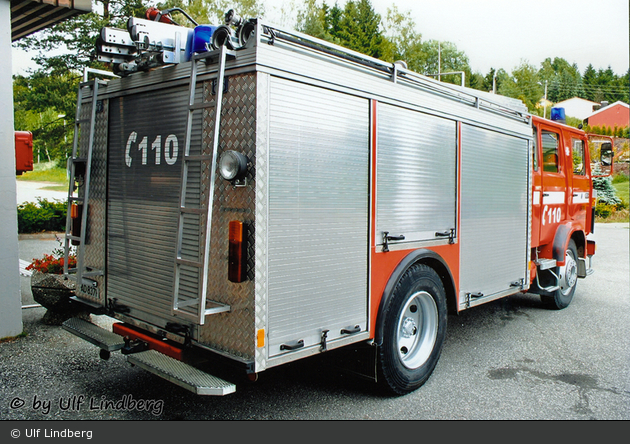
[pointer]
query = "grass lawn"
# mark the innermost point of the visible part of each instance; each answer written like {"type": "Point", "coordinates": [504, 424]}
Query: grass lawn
{"type": "Point", "coordinates": [47, 172]}
{"type": "Point", "coordinates": [622, 189]}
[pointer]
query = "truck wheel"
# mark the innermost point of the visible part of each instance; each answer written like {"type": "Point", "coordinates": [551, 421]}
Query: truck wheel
{"type": "Point", "coordinates": [414, 329]}
{"type": "Point", "coordinates": [562, 297]}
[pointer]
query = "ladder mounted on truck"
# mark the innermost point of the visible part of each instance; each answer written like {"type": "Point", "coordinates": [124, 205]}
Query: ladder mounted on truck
{"type": "Point", "coordinates": [192, 303]}
{"type": "Point", "coordinates": [79, 167]}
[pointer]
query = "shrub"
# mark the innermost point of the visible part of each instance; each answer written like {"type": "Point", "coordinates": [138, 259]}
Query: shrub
{"type": "Point", "coordinates": [606, 193]}
{"type": "Point", "coordinates": [620, 177]}
{"type": "Point", "coordinates": [604, 210]}
{"type": "Point", "coordinates": [41, 216]}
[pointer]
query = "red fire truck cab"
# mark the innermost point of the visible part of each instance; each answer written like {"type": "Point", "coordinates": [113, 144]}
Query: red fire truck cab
{"type": "Point", "coordinates": [563, 203]}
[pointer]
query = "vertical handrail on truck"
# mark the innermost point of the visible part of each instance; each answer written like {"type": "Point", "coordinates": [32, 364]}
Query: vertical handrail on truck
{"type": "Point", "coordinates": [183, 306]}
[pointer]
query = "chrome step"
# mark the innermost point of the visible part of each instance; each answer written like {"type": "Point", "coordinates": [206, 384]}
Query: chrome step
{"type": "Point", "coordinates": [180, 373]}
{"type": "Point", "coordinates": [545, 264]}
{"type": "Point", "coordinates": [106, 340]}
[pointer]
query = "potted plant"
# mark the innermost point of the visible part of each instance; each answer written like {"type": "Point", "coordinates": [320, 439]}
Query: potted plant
{"type": "Point", "coordinates": [52, 290]}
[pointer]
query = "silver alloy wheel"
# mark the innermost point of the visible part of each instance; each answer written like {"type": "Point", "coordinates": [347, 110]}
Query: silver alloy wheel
{"type": "Point", "coordinates": [417, 329]}
{"type": "Point", "coordinates": [568, 273]}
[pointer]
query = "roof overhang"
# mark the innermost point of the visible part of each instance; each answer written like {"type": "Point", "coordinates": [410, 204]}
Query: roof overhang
{"type": "Point", "coordinates": [29, 16]}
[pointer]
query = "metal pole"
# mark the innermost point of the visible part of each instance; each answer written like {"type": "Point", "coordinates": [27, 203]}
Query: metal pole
{"type": "Point", "coordinates": [439, 62]}
{"type": "Point", "coordinates": [545, 107]}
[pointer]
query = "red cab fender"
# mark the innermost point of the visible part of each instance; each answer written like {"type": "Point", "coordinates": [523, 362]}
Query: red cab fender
{"type": "Point", "coordinates": [564, 234]}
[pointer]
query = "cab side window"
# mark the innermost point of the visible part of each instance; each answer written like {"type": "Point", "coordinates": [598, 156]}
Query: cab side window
{"type": "Point", "coordinates": [578, 157]}
{"type": "Point", "coordinates": [550, 151]}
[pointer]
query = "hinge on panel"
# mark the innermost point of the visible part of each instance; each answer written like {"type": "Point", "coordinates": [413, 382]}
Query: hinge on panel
{"type": "Point", "coordinates": [324, 346]}
{"type": "Point", "coordinates": [449, 233]}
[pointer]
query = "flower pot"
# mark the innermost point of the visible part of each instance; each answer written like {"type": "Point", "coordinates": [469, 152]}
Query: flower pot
{"type": "Point", "coordinates": [53, 291]}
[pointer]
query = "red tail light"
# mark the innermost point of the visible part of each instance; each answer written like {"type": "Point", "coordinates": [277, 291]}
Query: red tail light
{"type": "Point", "coordinates": [75, 214]}
{"type": "Point", "coordinates": [237, 252]}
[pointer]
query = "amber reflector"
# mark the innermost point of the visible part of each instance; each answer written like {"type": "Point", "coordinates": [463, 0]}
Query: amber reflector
{"type": "Point", "coordinates": [260, 338]}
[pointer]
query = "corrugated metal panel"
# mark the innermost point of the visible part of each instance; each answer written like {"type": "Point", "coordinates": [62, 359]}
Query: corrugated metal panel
{"type": "Point", "coordinates": [146, 142]}
{"type": "Point", "coordinates": [416, 174]}
{"type": "Point", "coordinates": [318, 213]}
{"type": "Point", "coordinates": [494, 206]}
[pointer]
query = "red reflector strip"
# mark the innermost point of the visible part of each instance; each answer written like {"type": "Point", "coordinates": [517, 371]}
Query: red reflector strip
{"type": "Point", "coordinates": [236, 255]}
{"type": "Point", "coordinates": [155, 342]}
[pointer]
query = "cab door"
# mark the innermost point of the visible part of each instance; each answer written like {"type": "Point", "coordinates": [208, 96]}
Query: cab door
{"type": "Point", "coordinates": [578, 201]}
{"type": "Point", "coordinates": [536, 187]}
{"type": "Point", "coordinates": [554, 181]}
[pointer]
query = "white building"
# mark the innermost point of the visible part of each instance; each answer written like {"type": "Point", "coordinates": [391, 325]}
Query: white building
{"type": "Point", "coordinates": [577, 107]}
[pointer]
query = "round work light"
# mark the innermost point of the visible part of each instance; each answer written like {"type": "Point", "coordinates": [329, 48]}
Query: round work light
{"type": "Point", "coordinates": [232, 165]}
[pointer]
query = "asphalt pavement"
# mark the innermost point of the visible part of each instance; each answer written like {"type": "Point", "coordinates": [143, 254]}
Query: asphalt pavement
{"type": "Point", "coordinates": [506, 360]}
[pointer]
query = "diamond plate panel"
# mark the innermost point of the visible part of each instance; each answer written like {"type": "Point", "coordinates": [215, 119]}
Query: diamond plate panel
{"type": "Point", "coordinates": [94, 249]}
{"type": "Point", "coordinates": [232, 332]}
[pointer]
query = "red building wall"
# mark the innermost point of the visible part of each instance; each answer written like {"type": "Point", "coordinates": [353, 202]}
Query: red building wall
{"type": "Point", "coordinates": [617, 114]}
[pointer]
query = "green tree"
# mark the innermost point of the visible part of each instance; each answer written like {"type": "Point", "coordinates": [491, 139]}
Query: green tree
{"type": "Point", "coordinates": [359, 29]}
{"type": "Point", "coordinates": [212, 12]}
{"type": "Point", "coordinates": [317, 20]}
{"type": "Point", "coordinates": [62, 53]}
{"type": "Point", "coordinates": [605, 85]}
{"type": "Point", "coordinates": [402, 41]}
{"type": "Point", "coordinates": [564, 80]}
{"type": "Point", "coordinates": [357, 26]}
{"type": "Point", "coordinates": [492, 81]}
{"type": "Point", "coordinates": [523, 85]}
{"type": "Point", "coordinates": [590, 78]}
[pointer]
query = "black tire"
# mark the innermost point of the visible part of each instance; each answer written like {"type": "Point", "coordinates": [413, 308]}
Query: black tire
{"type": "Point", "coordinates": [414, 328]}
{"type": "Point", "coordinates": [562, 297]}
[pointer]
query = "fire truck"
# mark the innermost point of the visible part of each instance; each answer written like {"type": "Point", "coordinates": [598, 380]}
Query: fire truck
{"type": "Point", "coordinates": [255, 195]}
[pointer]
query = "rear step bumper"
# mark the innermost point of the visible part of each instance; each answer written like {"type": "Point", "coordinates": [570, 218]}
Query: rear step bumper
{"type": "Point", "coordinates": [182, 374]}
{"type": "Point", "coordinates": [166, 367]}
{"type": "Point", "coordinates": [106, 340]}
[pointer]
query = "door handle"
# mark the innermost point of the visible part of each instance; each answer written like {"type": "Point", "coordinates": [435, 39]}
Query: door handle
{"type": "Point", "coordinates": [387, 238]}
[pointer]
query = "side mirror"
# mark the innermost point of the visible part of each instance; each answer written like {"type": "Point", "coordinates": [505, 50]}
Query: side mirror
{"type": "Point", "coordinates": [606, 154]}
{"type": "Point", "coordinates": [603, 166]}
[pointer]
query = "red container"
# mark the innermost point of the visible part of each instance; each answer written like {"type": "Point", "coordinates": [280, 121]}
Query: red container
{"type": "Point", "coordinates": [23, 152]}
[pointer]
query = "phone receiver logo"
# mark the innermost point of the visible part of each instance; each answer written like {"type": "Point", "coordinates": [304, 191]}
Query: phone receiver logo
{"type": "Point", "coordinates": [167, 151]}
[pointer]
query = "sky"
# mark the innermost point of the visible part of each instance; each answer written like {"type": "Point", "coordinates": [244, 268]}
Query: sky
{"type": "Point", "coordinates": [501, 33]}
